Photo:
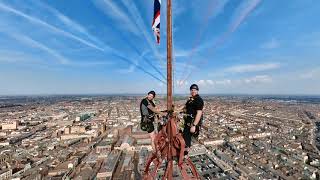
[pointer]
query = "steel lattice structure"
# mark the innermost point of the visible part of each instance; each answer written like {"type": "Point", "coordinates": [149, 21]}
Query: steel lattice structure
{"type": "Point", "coordinates": [170, 146]}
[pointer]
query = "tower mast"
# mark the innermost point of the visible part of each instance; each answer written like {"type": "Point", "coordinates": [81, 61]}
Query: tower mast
{"type": "Point", "coordinates": [169, 143]}
{"type": "Point", "coordinates": [169, 56]}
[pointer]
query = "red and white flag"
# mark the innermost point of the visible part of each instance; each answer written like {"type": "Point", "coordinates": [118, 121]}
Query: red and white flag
{"type": "Point", "coordinates": [156, 20]}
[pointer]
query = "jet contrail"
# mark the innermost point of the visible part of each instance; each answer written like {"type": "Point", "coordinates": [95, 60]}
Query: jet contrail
{"type": "Point", "coordinates": [49, 26]}
{"type": "Point", "coordinates": [214, 5]}
{"type": "Point", "coordinates": [232, 28]}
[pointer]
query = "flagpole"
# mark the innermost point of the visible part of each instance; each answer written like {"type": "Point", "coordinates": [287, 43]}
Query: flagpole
{"type": "Point", "coordinates": [169, 170]}
{"type": "Point", "coordinates": [169, 57]}
{"type": "Point", "coordinates": [174, 145]}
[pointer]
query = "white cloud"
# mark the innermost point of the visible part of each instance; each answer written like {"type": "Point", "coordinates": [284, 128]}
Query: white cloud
{"type": "Point", "coordinates": [251, 68]}
{"type": "Point", "coordinates": [272, 44]}
{"type": "Point", "coordinates": [210, 82]}
{"type": "Point", "coordinates": [311, 74]}
{"type": "Point", "coordinates": [223, 82]}
{"type": "Point", "coordinates": [202, 82]}
{"type": "Point", "coordinates": [259, 79]}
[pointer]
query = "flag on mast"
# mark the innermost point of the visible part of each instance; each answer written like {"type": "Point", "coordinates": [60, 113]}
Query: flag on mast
{"type": "Point", "coordinates": [156, 20]}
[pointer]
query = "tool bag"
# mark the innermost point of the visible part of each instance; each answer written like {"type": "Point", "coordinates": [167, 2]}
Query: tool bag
{"type": "Point", "coordinates": [146, 122]}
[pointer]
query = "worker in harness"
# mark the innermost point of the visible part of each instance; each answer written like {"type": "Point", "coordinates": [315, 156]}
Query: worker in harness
{"type": "Point", "coordinates": [148, 111]}
{"type": "Point", "coordinates": [193, 116]}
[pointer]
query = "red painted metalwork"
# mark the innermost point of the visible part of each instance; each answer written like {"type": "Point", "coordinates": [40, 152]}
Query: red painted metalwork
{"type": "Point", "coordinates": [170, 147]}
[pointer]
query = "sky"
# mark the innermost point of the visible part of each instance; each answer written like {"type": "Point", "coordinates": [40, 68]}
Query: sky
{"type": "Point", "coordinates": [107, 46]}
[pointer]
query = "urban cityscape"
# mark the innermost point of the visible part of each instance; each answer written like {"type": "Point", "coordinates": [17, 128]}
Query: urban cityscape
{"type": "Point", "coordinates": [159, 89]}
{"type": "Point", "coordinates": [98, 137]}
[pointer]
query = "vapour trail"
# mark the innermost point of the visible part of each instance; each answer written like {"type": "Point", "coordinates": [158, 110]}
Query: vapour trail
{"type": "Point", "coordinates": [233, 27]}
{"type": "Point", "coordinates": [48, 26]}
{"type": "Point", "coordinates": [134, 12]}
{"type": "Point", "coordinates": [137, 66]}
{"type": "Point", "coordinates": [148, 61]}
{"type": "Point", "coordinates": [213, 5]}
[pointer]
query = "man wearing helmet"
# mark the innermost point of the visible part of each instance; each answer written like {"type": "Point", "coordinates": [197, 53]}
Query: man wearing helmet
{"type": "Point", "coordinates": [193, 118]}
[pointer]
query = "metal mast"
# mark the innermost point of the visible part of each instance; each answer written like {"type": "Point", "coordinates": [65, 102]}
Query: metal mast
{"type": "Point", "coordinates": [169, 56]}
{"type": "Point", "coordinates": [169, 142]}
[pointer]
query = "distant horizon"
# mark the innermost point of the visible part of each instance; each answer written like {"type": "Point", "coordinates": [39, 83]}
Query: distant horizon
{"type": "Point", "coordinates": [142, 94]}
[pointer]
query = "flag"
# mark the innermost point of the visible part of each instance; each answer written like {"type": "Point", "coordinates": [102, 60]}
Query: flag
{"type": "Point", "coordinates": [156, 20]}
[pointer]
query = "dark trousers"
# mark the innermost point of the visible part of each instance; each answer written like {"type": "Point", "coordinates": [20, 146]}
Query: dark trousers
{"type": "Point", "coordinates": [187, 136]}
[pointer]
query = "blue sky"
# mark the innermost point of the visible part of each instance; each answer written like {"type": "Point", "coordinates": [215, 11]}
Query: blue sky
{"type": "Point", "coordinates": [107, 46]}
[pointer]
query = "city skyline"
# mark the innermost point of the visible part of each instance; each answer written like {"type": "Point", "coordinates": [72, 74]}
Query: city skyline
{"type": "Point", "coordinates": [232, 47]}
{"type": "Point", "coordinates": [99, 137]}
